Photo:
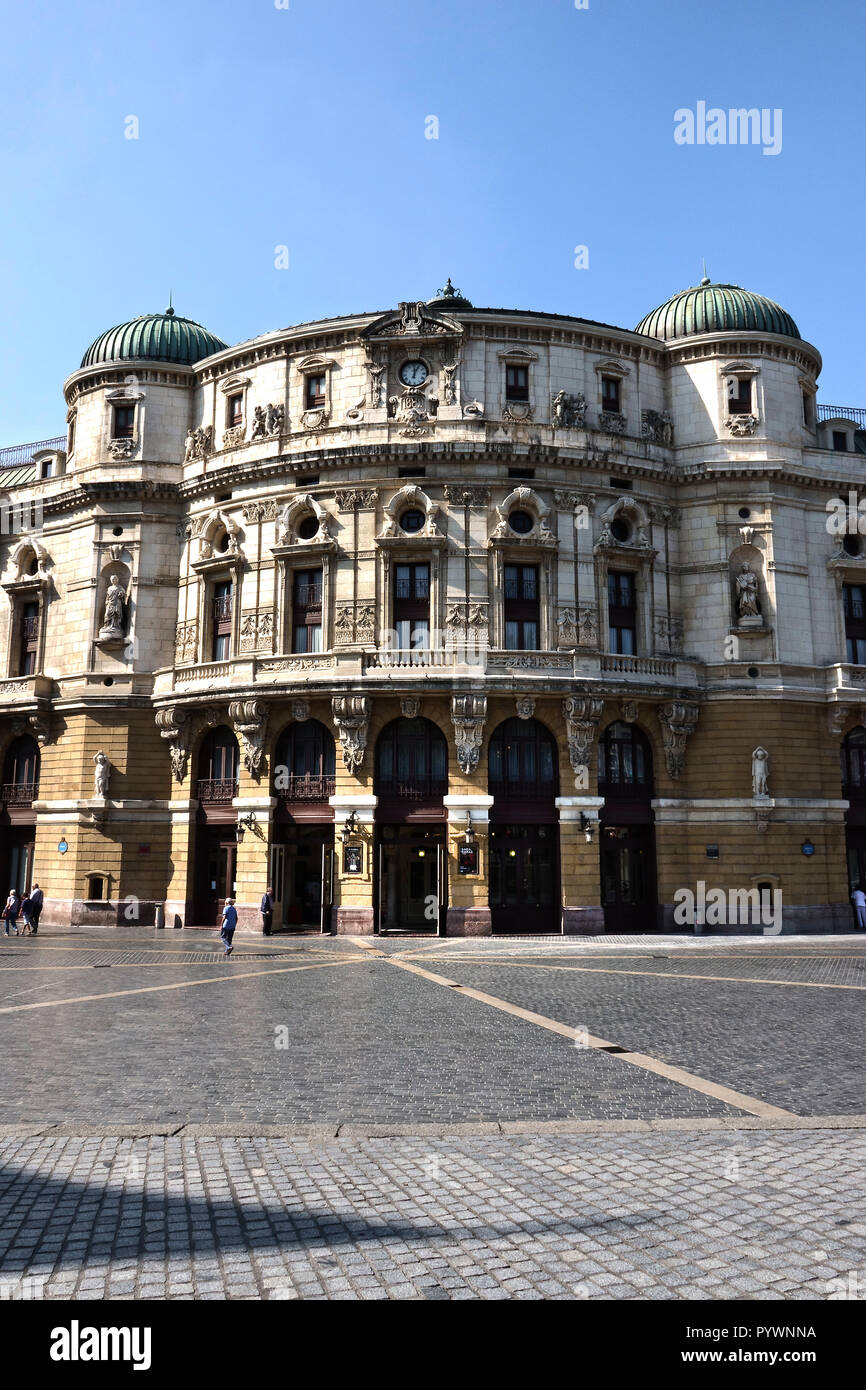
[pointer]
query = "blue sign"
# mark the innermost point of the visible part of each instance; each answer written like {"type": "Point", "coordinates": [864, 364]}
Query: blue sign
{"type": "Point", "coordinates": [62, 847]}
{"type": "Point", "coordinates": [807, 847]}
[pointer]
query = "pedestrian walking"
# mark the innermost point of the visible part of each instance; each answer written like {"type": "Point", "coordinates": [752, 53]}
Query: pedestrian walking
{"type": "Point", "coordinates": [230, 921]}
{"type": "Point", "coordinates": [25, 914]}
{"type": "Point", "coordinates": [10, 911]}
{"type": "Point", "coordinates": [37, 902]}
{"type": "Point", "coordinates": [267, 910]}
{"type": "Point", "coordinates": [858, 898]}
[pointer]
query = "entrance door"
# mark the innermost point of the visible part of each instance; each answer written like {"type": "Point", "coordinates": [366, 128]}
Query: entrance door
{"type": "Point", "coordinates": [327, 888]}
{"type": "Point", "coordinates": [628, 889]}
{"type": "Point", "coordinates": [409, 879]}
{"type": "Point", "coordinates": [524, 878]}
{"type": "Point", "coordinates": [855, 845]}
{"type": "Point", "coordinates": [277, 881]}
{"type": "Point", "coordinates": [220, 860]}
{"type": "Point", "coordinates": [21, 866]}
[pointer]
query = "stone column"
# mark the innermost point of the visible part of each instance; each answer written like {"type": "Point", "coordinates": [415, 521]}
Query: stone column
{"type": "Point", "coordinates": [180, 888]}
{"type": "Point", "coordinates": [353, 893]}
{"type": "Point", "coordinates": [468, 912]}
{"type": "Point", "coordinates": [253, 858]}
{"type": "Point", "coordinates": [582, 913]}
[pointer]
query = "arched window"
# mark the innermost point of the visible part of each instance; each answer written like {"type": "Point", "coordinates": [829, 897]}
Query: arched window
{"type": "Point", "coordinates": [305, 762]}
{"type": "Point", "coordinates": [625, 763]}
{"type": "Point", "coordinates": [21, 772]}
{"type": "Point", "coordinates": [522, 761]}
{"type": "Point", "coordinates": [411, 760]}
{"type": "Point", "coordinates": [218, 766]}
{"type": "Point", "coordinates": [854, 765]}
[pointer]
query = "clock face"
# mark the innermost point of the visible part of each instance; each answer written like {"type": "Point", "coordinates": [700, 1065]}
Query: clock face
{"type": "Point", "coordinates": [413, 373]}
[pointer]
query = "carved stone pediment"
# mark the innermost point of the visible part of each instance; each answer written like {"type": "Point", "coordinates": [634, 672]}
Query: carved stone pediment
{"type": "Point", "coordinates": [209, 531]}
{"type": "Point", "coordinates": [291, 514]}
{"type": "Point", "coordinates": [352, 718]}
{"type": "Point", "coordinates": [250, 718]}
{"type": "Point", "coordinates": [413, 320]}
{"type": "Point", "coordinates": [411, 498]}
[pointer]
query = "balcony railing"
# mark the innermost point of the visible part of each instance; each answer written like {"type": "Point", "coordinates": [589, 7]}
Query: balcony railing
{"type": "Point", "coordinates": [856, 413]}
{"type": "Point", "coordinates": [17, 454]}
{"type": "Point", "coordinates": [637, 665]}
{"type": "Point", "coordinates": [216, 791]}
{"type": "Point", "coordinates": [421, 789]}
{"type": "Point", "coordinates": [222, 609]}
{"type": "Point", "coordinates": [20, 793]}
{"type": "Point", "coordinates": [303, 787]}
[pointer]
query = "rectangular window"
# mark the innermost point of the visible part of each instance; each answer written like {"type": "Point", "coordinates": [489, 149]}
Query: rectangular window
{"type": "Point", "coordinates": [621, 612]}
{"type": "Point", "coordinates": [235, 409]}
{"type": "Point", "coordinates": [740, 396]}
{"type": "Point", "coordinates": [521, 608]}
{"type": "Point", "coordinates": [807, 410]}
{"type": "Point", "coordinates": [70, 441]}
{"type": "Point", "coordinates": [516, 383]}
{"type": "Point", "coordinates": [124, 421]}
{"type": "Point", "coordinates": [28, 639]}
{"type": "Point", "coordinates": [412, 606]}
{"type": "Point", "coordinates": [222, 621]}
{"type": "Point", "coordinates": [46, 468]}
{"type": "Point", "coordinates": [840, 441]}
{"type": "Point", "coordinates": [610, 394]}
{"type": "Point", "coordinates": [315, 393]}
{"type": "Point", "coordinates": [854, 608]}
{"type": "Point", "coordinates": [307, 611]}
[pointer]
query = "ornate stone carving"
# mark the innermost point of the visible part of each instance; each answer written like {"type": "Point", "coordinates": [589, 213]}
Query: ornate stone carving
{"type": "Point", "coordinates": [741, 425]}
{"type": "Point", "coordinates": [466, 496]}
{"type": "Point", "coordinates": [315, 419]}
{"type": "Point", "coordinates": [344, 623]}
{"type": "Point", "coordinates": [377, 371]}
{"type": "Point", "coordinates": [415, 319]}
{"type": "Point", "coordinates": [449, 385]}
{"type": "Point", "coordinates": [250, 718]}
{"type": "Point", "coordinates": [664, 515]}
{"type": "Point", "coordinates": [611, 421]}
{"type": "Point", "coordinates": [410, 707]}
{"type": "Point", "coordinates": [582, 715]}
{"type": "Point", "coordinates": [762, 818]}
{"type": "Point", "coordinates": [629, 711]}
{"type": "Point", "coordinates": [669, 631]}
{"type": "Point", "coordinates": [413, 410]}
{"type": "Point", "coordinates": [352, 718]}
{"type": "Point", "coordinates": [468, 713]}
{"type": "Point", "coordinates": [40, 723]}
{"type": "Point", "coordinates": [257, 629]}
{"type": "Point", "coordinates": [185, 639]}
{"type": "Point", "coordinates": [657, 426]}
{"type": "Point", "coordinates": [260, 511]}
{"type": "Point", "coordinates": [122, 448]}
{"type": "Point", "coordinates": [747, 593]}
{"type": "Point", "coordinates": [568, 412]}
{"type": "Point", "coordinates": [365, 623]}
{"type": "Point", "coordinates": [300, 711]}
{"type": "Point", "coordinates": [523, 499]}
{"type": "Point", "coordinates": [587, 625]}
{"type": "Point", "coordinates": [534, 661]}
{"type": "Point", "coordinates": [566, 627]}
{"type": "Point", "coordinates": [414, 497]}
{"type": "Point", "coordinates": [267, 421]}
{"type": "Point", "coordinates": [175, 725]}
{"type": "Point", "coordinates": [114, 616]}
{"type": "Point", "coordinates": [517, 413]}
{"type": "Point", "coordinates": [356, 499]}
{"type": "Point", "coordinates": [199, 443]}
{"type": "Point", "coordinates": [233, 437]}
{"type": "Point", "coordinates": [525, 707]}
{"type": "Point", "coordinates": [677, 719]}
{"type": "Point", "coordinates": [101, 774]}
{"type": "Point", "coordinates": [473, 410]}
{"type": "Point", "coordinates": [760, 773]}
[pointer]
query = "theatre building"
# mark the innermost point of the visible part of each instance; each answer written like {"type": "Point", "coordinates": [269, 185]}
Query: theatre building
{"type": "Point", "coordinates": [439, 620]}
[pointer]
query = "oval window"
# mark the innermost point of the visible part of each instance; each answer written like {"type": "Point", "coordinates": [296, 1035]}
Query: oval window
{"type": "Point", "coordinates": [521, 522]}
{"type": "Point", "coordinates": [308, 528]}
{"type": "Point", "coordinates": [412, 521]}
{"type": "Point", "coordinates": [620, 530]}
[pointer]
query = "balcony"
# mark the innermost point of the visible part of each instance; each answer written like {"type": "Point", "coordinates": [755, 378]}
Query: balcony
{"type": "Point", "coordinates": [619, 665]}
{"type": "Point", "coordinates": [216, 791]}
{"type": "Point", "coordinates": [19, 793]}
{"type": "Point", "coordinates": [304, 787]}
{"type": "Point", "coordinates": [843, 412]}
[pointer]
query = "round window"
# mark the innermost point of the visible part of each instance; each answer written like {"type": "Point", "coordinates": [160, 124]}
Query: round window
{"type": "Point", "coordinates": [31, 565]}
{"type": "Point", "coordinates": [412, 521]}
{"type": "Point", "coordinates": [851, 545]}
{"type": "Point", "coordinates": [308, 528]}
{"type": "Point", "coordinates": [744, 513]}
{"type": "Point", "coordinates": [620, 530]}
{"type": "Point", "coordinates": [521, 522]}
{"type": "Point", "coordinates": [222, 544]}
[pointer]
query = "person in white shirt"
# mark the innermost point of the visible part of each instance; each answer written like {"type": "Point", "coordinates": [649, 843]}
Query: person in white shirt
{"type": "Point", "coordinates": [858, 898]}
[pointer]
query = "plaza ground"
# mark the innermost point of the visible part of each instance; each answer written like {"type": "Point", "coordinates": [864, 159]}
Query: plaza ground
{"type": "Point", "coordinates": [367, 1118]}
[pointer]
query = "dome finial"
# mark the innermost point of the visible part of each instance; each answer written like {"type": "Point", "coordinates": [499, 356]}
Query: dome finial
{"type": "Point", "coordinates": [448, 291]}
{"type": "Point", "coordinates": [706, 280]}
{"type": "Point", "coordinates": [170, 311]}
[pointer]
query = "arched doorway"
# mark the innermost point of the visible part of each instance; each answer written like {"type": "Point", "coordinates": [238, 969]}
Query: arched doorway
{"type": "Point", "coordinates": [18, 791]}
{"type": "Point", "coordinates": [411, 778]}
{"type": "Point", "coordinates": [627, 838]}
{"type": "Point", "coordinates": [216, 824]}
{"type": "Point", "coordinates": [853, 754]}
{"type": "Point", "coordinates": [303, 776]}
{"type": "Point", "coordinates": [523, 779]}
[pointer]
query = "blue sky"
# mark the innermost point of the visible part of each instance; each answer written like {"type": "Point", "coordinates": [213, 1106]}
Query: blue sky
{"type": "Point", "coordinates": [305, 127]}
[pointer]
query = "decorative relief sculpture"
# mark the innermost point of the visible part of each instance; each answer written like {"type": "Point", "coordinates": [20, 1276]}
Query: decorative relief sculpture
{"type": "Point", "coordinates": [414, 410]}
{"type": "Point", "coordinates": [668, 628]}
{"type": "Point", "coordinates": [315, 419]}
{"type": "Point", "coordinates": [588, 625]}
{"type": "Point", "coordinates": [377, 371]}
{"type": "Point", "coordinates": [233, 437]}
{"type": "Point", "coordinates": [611, 421]}
{"type": "Point", "coordinates": [463, 496]}
{"type": "Point", "coordinates": [473, 410]}
{"type": "Point", "coordinates": [267, 421]}
{"type": "Point", "coordinates": [629, 711]}
{"type": "Point", "coordinates": [300, 711]}
{"type": "Point", "coordinates": [344, 623]}
{"type": "Point", "coordinates": [747, 594]}
{"type": "Point", "coordinates": [566, 628]}
{"type": "Point", "coordinates": [101, 774]}
{"type": "Point", "coordinates": [416, 498]}
{"type": "Point", "coordinates": [365, 624]}
{"type": "Point", "coordinates": [293, 512]}
{"type": "Point", "coordinates": [410, 707]}
{"type": "Point", "coordinates": [175, 725]}
{"type": "Point", "coordinates": [356, 498]}
{"type": "Point", "coordinates": [260, 511]}
{"type": "Point", "coordinates": [523, 499]}
{"type": "Point", "coordinates": [760, 774]}
{"type": "Point", "coordinates": [113, 621]}
{"type": "Point", "coordinates": [257, 630]}
{"type": "Point", "coordinates": [740, 425]}
{"type": "Point", "coordinates": [468, 713]}
{"type": "Point", "coordinates": [568, 412]}
{"type": "Point", "coordinates": [352, 718]}
{"type": "Point", "coordinates": [677, 719]}
{"type": "Point", "coordinates": [517, 413]}
{"type": "Point", "coordinates": [657, 426]}
{"type": "Point", "coordinates": [249, 718]}
{"type": "Point", "coordinates": [186, 637]}
{"type": "Point", "coordinates": [449, 386]}
{"type": "Point", "coordinates": [122, 448]}
{"type": "Point", "coordinates": [525, 707]}
{"type": "Point", "coordinates": [582, 715]}
{"type": "Point", "coordinates": [199, 443]}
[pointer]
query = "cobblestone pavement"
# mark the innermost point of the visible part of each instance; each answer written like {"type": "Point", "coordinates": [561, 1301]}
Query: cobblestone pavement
{"type": "Point", "coordinates": [659, 1216]}
{"type": "Point", "coordinates": [342, 1118]}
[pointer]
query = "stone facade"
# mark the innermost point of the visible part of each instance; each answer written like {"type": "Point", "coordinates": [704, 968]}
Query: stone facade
{"type": "Point", "coordinates": [317, 482]}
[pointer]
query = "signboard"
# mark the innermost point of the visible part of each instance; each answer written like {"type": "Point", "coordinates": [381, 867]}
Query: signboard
{"type": "Point", "coordinates": [353, 859]}
{"type": "Point", "coordinates": [467, 859]}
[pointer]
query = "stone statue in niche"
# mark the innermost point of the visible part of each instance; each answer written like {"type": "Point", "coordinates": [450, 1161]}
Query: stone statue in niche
{"type": "Point", "coordinates": [115, 602]}
{"type": "Point", "coordinates": [102, 772]}
{"type": "Point", "coordinates": [760, 773]}
{"type": "Point", "coordinates": [747, 594]}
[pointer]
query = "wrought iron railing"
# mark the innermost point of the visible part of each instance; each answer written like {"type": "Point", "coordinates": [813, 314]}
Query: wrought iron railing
{"type": "Point", "coordinates": [20, 793]}
{"type": "Point", "coordinates": [222, 609]}
{"type": "Point", "coordinates": [303, 787]}
{"type": "Point", "coordinates": [856, 413]}
{"type": "Point", "coordinates": [420, 790]}
{"type": "Point", "coordinates": [216, 791]}
{"type": "Point", "coordinates": [16, 454]}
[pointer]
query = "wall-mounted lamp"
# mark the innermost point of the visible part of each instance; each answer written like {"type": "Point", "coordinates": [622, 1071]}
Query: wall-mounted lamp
{"type": "Point", "coordinates": [245, 823]}
{"type": "Point", "coordinates": [351, 825]}
{"type": "Point", "coordinates": [588, 827]}
{"type": "Point", "coordinates": [469, 832]}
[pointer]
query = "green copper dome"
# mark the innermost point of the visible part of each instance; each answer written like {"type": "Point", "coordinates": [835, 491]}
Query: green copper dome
{"type": "Point", "coordinates": [709, 308]}
{"type": "Point", "coordinates": [157, 337]}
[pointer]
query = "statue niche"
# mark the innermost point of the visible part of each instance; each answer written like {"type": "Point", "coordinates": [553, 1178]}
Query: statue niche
{"type": "Point", "coordinates": [113, 602]}
{"type": "Point", "coordinates": [747, 589]}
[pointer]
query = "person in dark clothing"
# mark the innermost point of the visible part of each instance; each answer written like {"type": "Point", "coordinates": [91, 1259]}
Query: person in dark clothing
{"type": "Point", "coordinates": [230, 921]}
{"type": "Point", "coordinates": [267, 910]}
{"type": "Point", "coordinates": [37, 902]}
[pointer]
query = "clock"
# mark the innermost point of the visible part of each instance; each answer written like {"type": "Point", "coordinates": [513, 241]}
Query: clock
{"type": "Point", "coordinates": [413, 373]}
